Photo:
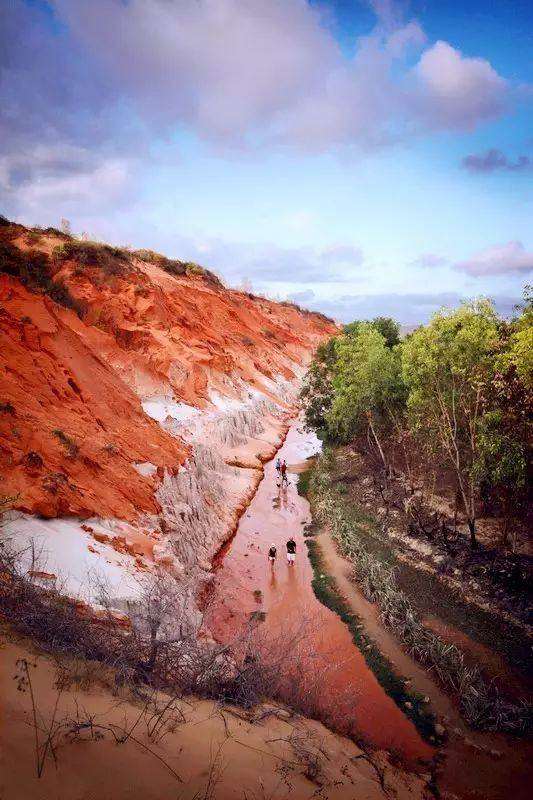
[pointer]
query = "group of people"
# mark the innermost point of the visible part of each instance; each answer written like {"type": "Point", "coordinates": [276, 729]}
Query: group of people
{"type": "Point", "coordinates": [281, 469]}
{"type": "Point", "coordinates": [291, 553]}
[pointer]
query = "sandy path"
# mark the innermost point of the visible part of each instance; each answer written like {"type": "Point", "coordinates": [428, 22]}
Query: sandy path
{"type": "Point", "coordinates": [349, 693]}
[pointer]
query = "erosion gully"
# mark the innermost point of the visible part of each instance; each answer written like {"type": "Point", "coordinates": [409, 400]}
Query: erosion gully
{"type": "Point", "coordinates": [351, 697]}
{"type": "Point", "coordinates": [353, 702]}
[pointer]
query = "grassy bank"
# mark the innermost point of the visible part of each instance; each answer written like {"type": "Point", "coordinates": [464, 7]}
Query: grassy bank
{"type": "Point", "coordinates": [430, 596]}
{"type": "Point", "coordinates": [355, 533]}
{"type": "Point", "coordinates": [328, 593]}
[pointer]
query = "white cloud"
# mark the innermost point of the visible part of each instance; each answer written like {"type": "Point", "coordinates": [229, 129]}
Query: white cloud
{"type": "Point", "coordinates": [269, 264]}
{"type": "Point", "coordinates": [270, 72]}
{"type": "Point", "coordinates": [302, 297]}
{"type": "Point", "coordinates": [64, 177]}
{"type": "Point", "coordinates": [456, 91]}
{"type": "Point", "coordinates": [500, 259]}
{"type": "Point", "coordinates": [389, 12]}
{"type": "Point", "coordinates": [408, 308]}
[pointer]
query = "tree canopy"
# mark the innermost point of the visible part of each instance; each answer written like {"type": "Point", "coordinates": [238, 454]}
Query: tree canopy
{"type": "Point", "coordinates": [460, 388]}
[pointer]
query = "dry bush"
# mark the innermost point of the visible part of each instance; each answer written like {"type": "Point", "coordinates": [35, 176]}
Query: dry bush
{"type": "Point", "coordinates": [162, 648]}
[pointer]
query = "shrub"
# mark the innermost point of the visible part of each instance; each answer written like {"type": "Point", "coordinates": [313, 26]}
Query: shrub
{"type": "Point", "coordinates": [175, 267]}
{"type": "Point", "coordinates": [111, 260]}
{"type": "Point", "coordinates": [172, 266]}
{"type": "Point", "coordinates": [70, 446]}
{"type": "Point", "coordinates": [32, 268]}
{"type": "Point", "coordinates": [160, 649]}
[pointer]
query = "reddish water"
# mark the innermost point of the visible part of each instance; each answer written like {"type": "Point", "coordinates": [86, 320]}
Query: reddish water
{"type": "Point", "coordinates": [348, 695]}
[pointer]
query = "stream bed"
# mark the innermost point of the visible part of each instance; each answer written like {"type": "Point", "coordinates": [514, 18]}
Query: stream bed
{"type": "Point", "coordinates": [348, 695]}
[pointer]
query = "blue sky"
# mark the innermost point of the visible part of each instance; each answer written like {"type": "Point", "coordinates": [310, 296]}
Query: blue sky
{"type": "Point", "coordinates": [360, 156]}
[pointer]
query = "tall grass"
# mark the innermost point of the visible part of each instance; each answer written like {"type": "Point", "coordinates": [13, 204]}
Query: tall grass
{"type": "Point", "coordinates": [481, 702]}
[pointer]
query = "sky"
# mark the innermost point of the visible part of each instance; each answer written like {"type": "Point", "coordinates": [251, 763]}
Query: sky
{"type": "Point", "coordinates": [360, 157]}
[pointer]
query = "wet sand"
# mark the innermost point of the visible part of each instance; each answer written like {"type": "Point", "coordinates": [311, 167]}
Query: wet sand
{"type": "Point", "coordinates": [349, 694]}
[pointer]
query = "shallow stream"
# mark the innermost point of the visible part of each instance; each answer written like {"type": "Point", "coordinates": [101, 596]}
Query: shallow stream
{"type": "Point", "coordinates": [347, 691]}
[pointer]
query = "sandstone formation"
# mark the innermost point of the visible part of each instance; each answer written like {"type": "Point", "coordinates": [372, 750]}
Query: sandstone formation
{"type": "Point", "coordinates": [138, 399]}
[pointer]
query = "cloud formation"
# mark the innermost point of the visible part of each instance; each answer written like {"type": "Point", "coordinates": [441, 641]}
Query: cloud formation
{"type": "Point", "coordinates": [268, 264]}
{"type": "Point", "coordinates": [408, 309]}
{"type": "Point", "coordinates": [63, 177]}
{"type": "Point", "coordinates": [501, 259]}
{"type": "Point", "coordinates": [457, 92]}
{"type": "Point", "coordinates": [496, 161]}
{"type": "Point", "coordinates": [302, 297]}
{"type": "Point", "coordinates": [255, 74]}
{"type": "Point", "coordinates": [429, 260]}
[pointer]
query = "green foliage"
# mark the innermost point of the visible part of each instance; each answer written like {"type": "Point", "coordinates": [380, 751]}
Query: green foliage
{"type": "Point", "coordinates": [453, 355]}
{"type": "Point", "coordinates": [317, 393]}
{"type": "Point", "coordinates": [352, 328]}
{"type": "Point", "coordinates": [303, 482]}
{"type": "Point", "coordinates": [193, 269]}
{"type": "Point", "coordinates": [448, 367]}
{"type": "Point", "coordinates": [172, 266]}
{"type": "Point", "coordinates": [500, 458]}
{"type": "Point", "coordinates": [353, 376]}
{"type": "Point", "coordinates": [111, 260]}
{"type": "Point", "coordinates": [33, 269]}
{"type": "Point", "coordinates": [388, 327]}
{"type": "Point", "coordinates": [519, 353]}
{"type": "Point", "coordinates": [175, 267]}
{"type": "Point", "coordinates": [367, 383]}
{"type": "Point", "coordinates": [460, 388]}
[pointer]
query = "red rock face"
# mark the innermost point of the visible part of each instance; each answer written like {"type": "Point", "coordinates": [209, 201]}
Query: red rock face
{"type": "Point", "coordinates": [71, 421]}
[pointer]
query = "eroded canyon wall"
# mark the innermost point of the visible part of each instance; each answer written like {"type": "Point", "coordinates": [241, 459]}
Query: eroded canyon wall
{"type": "Point", "coordinates": [138, 399]}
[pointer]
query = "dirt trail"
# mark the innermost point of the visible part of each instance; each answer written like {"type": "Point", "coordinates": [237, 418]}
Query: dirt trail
{"type": "Point", "coordinates": [245, 583]}
{"type": "Point", "coordinates": [470, 769]}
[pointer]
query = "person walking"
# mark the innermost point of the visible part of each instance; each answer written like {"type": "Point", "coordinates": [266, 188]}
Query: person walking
{"type": "Point", "coordinates": [272, 554]}
{"type": "Point", "coordinates": [283, 471]}
{"type": "Point", "coordinates": [291, 552]}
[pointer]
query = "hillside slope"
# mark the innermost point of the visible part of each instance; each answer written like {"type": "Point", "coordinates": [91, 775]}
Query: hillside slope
{"type": "Point", "coordinates": [138, 399]}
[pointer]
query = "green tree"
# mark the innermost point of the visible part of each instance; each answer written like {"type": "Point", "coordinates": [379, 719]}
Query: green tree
{"type": "Point", "coordinates": [520, 351]}
{"type": "Point", "coordinates": [352, 328]}
{"type": "Point", "coordinates": [368, 387]}
{"type": "Point", "coordinates": [448, 367]}
{"type": "Point", "coordinates": [389, 329]}
{"type": "Point", "coordinates": [500, 464]}
{"type": "Point", "coordinates": [317, 392]}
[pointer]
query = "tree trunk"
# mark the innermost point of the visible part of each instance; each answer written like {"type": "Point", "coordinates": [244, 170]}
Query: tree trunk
{"type": "Point", "coordinates": [472, 529]}
{"type": "Point", "coordinates": [506, 519]}
{"type": "Point", "coordinates": [378, 444]}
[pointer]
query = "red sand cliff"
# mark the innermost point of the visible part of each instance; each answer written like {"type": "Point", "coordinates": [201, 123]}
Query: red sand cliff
{"type": "Point", "coordinates": [71, 422]}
